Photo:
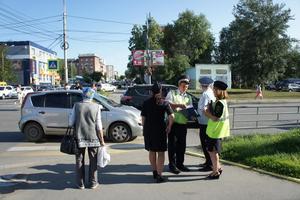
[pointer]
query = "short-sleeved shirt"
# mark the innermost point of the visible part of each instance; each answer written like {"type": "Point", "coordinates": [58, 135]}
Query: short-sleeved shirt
{"type": "Point", "coordinates": [206, 97]}
{"type": "Point", "coordinates": [155, 124]}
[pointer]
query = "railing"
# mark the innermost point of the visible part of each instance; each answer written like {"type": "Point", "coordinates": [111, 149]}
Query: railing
{"type": "Point", "coordinates": [263, 116]}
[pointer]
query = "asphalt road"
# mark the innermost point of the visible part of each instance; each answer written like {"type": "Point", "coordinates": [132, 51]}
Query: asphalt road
{"type": "Point", "coordinates": [40, 171]}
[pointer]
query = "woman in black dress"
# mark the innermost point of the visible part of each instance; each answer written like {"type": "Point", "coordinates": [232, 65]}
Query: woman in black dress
{"type": "Point", "coordinates": [156, 129]}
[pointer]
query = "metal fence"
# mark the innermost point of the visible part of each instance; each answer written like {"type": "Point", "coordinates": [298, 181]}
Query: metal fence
{"type": "Point", "coordinates": [264, 116]}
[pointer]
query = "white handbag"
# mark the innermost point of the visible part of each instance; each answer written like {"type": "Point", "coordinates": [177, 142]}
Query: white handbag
{"type": "Point", "coordinates": [103, 157]}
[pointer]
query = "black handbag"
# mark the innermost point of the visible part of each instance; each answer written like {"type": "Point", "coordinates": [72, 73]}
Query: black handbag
{"type": "Point", "coordinates": [69, 144]}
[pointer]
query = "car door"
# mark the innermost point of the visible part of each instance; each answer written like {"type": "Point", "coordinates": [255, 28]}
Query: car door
{"type": "Point", "coordinates": [56, 113]}
{"type": "Point", "coordinates": [104, 114]}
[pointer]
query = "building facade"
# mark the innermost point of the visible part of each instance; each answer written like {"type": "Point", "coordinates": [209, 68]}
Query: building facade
{"type": "Point", "coordinates": [30, 62]}
{"type": "Point", "coordinates": [110, 73]}
{"type": "Point", "coordinates": [220, 72]}
{"type": "Point", "coordinates": [89, 63]}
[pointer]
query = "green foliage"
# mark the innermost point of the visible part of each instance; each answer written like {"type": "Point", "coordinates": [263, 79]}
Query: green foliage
{"type": "Point", "coordinates": [186, 42]}
{"type": "Point", "coordinates": [193, 38]}
{"type": "Point", "coordinates": [278, 153]}
{"type": "Point", "coordinates": [6, 71]}
{"type": "Point", "coordinates": [256, 43]}
{"type": "Point", "coordinates": [293, 63]}
{"type": "Point", "coordinates": [174, 67]}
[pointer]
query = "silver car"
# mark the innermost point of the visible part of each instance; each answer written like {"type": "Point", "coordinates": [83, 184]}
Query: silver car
{"type": "Point", "coordinates": [47, 113]}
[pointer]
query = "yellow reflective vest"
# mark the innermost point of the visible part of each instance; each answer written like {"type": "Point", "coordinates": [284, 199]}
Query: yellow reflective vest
{"type": "Point", "coordinates": [179, 99]}
{"type": "Point", "coordinates": [220, 128]}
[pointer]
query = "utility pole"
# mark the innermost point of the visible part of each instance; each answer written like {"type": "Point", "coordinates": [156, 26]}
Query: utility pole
{"type": "Point", "coordinates": [65, 44]}
{"type": "Point", "coordinates": [2, 56]}
{"type": "Point", "coordinates": [148, 61]}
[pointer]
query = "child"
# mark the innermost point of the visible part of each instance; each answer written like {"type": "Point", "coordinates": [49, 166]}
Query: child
{"type": "Point", "coordinates": [217, 126]}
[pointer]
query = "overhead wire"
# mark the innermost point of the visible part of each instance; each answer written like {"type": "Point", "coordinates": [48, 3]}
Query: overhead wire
{"type": "Point", "coordinates": [16, 17]}
{"type": "Point", "coordinates": [102, 20]}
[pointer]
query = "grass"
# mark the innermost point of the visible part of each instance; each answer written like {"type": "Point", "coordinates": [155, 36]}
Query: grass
{"type": "Point", "coordinates": [250, 94]}
{"type": "Point", "coordinates": [275, 153]}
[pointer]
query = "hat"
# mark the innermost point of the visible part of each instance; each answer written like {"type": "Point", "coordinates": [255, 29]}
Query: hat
{"type": "Point", "coordinates": [184, 78]}
{"type": "Point", "coordinates": [220, 85]}
{"type": "Point", "coordinates": [205, 81]}
{"type": "Point", "coordinates": [88, 93]}
{"type": "Point", "coordinates": [156, 87]}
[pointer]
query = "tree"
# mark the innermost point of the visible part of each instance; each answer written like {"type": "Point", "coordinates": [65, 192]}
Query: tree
{"type": "Point", "coordinates": [293, 63]}
{"type": "Point", "coordinates": [138, 41]}
{"type": "Point", "coordinates": [189, 36]}
{"type": "Point", "coordinates": [256, 43]}
{"type": "Point", "coordinates": [6, 70]}
{"type": "Point", "coordinates": [174, 67]}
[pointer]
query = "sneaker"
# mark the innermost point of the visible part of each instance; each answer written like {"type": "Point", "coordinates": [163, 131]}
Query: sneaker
{"type": "Point", "coordinates": [94, 186]}
{"type": "Point", "coordinates": [81, 187]}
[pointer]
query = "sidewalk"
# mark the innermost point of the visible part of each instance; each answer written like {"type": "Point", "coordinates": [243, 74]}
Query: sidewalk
{"type": "Point", "coordinates": [129, 176]}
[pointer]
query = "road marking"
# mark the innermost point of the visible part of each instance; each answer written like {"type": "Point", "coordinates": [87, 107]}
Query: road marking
{"type": "Point", "coordinates": [34, 148]}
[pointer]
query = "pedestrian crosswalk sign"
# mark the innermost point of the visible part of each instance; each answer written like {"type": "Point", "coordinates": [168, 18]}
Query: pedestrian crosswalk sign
{"type": "Point", "coordinates": [52, 64]}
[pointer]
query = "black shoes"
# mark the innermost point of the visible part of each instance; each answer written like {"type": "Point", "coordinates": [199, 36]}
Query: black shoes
{"type": "Point", "coordinates": [160, 179]}
{"type": "Point", "coordinates": [155, 174]}
{"type": "Point", "coordinates": [174, 170]}
{"type": "Point", "coordinates": [214, 176]}
{"type": "Point", "coordinates": [184, 169]}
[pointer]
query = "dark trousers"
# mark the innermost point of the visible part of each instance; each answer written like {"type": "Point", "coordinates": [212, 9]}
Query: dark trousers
{"type": "Point", "coordinates": [80, 168]}
{"type": "Point", "coordinates": [177, 145]}
{"type": "Point", "coordinates": [203, 140]}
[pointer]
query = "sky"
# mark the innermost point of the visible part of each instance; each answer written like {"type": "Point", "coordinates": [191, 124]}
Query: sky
{"type": "Point", "coordinates": [103, 27]}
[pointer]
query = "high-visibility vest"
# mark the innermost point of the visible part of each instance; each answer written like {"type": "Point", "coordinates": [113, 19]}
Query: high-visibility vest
{"type": "Point", "coordinates": [179, 99]}
{"type": "Point", "coordinates": [221, 127]}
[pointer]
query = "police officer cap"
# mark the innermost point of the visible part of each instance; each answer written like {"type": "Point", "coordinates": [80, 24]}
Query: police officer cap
{"type": "Point", "coordinates": [156, 87]}
{"type": "Point", "coordinates": [220, 85]}
{"type": "Point", "coordinates": [205, 81]}
{"type": "Point", "coordinates": [184, 78]}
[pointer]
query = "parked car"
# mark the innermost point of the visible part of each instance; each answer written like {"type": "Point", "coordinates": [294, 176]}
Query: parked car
{"type": "Point", "coordinates": [8, 92]}
{"type": "Point", "coordinates": [270, 86]}
{"type": "Point", "coordinates": [107, 87]}
{"type": "Point", "coordinates": [47, 113]}
{"type": "Point", "coordinates": [25, 90]}
{"type": "Point", "coordinates": [283, 85]}
{"type": "Point", "coordinates": [137, 94]}
{"type": "Point", "coordinates": [292, 87]}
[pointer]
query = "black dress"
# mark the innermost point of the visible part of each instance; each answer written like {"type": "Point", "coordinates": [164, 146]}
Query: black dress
{"type": "Point", "coordinates": [154, 129]}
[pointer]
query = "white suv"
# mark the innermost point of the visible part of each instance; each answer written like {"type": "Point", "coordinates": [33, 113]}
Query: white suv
{"type": "Point", "coordinates": [7, 92]}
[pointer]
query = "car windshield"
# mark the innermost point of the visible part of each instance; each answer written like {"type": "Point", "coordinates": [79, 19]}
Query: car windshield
{"type": "Point", "coordinates": [1, 88]}
{"type": "Point", "coordinates": [106, 100]}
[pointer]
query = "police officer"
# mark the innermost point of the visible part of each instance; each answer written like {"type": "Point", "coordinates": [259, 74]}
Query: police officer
{"type": "Point", "coordinates": [206, 98]}
{"type": "Point", "coordinates": [178, 100]}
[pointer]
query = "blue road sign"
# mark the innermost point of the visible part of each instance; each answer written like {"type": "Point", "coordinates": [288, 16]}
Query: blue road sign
{"type": "Point", "coordinates": [52, 64]}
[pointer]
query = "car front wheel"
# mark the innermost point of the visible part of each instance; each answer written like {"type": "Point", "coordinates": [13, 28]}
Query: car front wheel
{"type": "Point", "coordinates": [119, 132]}
{"type": "Point", "coordinates": [33, 132]}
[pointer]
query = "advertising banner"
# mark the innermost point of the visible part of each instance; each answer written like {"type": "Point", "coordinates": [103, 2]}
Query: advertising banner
{"type": "Point", "coordinates": [138, 57]}
{"type": "Point", "coordinates": [157, 57]}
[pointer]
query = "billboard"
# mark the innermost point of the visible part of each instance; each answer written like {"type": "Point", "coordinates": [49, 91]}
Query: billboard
{"type": "Point", "coordinates": [157, 57]}
{"type": "Point", "coordinates": [138, 57]}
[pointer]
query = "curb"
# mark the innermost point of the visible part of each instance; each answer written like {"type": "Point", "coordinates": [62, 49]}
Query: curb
{"type": "Point", "coordinates": [296, 180]}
